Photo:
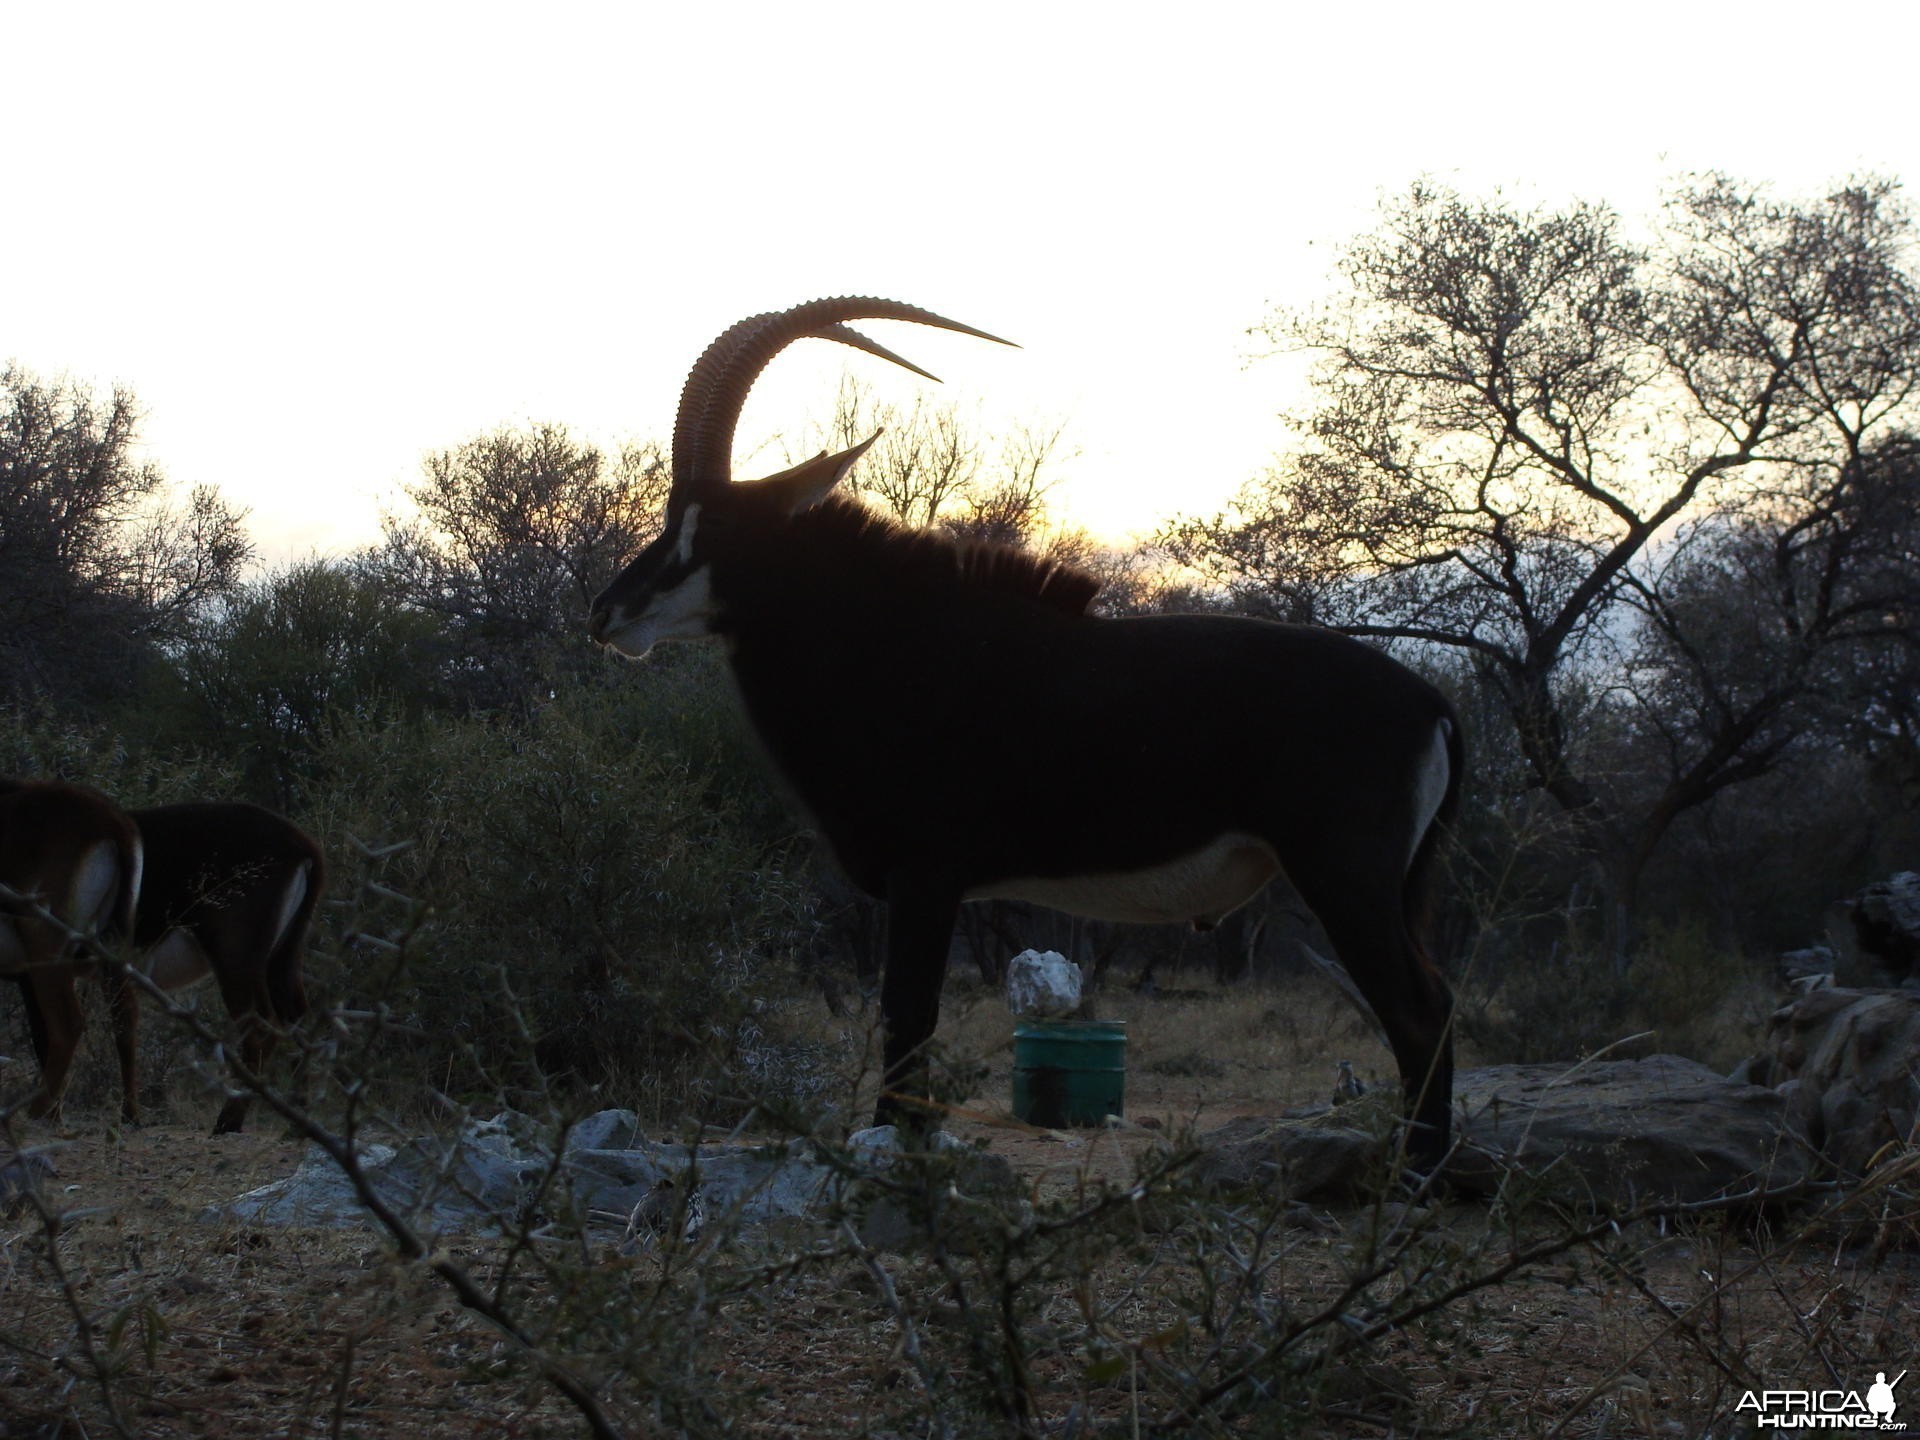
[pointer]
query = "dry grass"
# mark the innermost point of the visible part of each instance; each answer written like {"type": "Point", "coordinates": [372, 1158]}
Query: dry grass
{"type": "Point", "coordinates": [225, 1331]}
{"type": "Point", "coordinates": [1206, 1054]}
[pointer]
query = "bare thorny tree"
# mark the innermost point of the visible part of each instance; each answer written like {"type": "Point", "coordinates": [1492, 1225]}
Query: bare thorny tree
{"type": "Point", "coordinates": [97, 566]}
{"type": "Point", "coordinates": [509, 536]}
{"type": "Point", "coordinates": [931, 468]}
{"type": "Point", "coordinates": [1667, 480]}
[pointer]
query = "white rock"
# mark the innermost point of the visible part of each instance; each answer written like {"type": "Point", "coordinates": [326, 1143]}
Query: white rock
{"type": "Point", "coordinates": [1043, 983]}
{"type": "Point", "coordinates": [493, 1174]}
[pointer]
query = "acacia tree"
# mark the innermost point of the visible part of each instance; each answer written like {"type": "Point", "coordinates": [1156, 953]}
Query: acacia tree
{"type": "Point", "coordinates": [1788, 617]}
{"type": "Point", "coordinates": [513, 534]}
{"type": "Point", "coordinates": [1536, 439]}
{"type": "Point", "coordinates": [97, 569]}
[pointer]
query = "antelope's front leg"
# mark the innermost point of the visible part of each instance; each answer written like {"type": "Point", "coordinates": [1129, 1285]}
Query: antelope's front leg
{"type": "Point", "coordinates": [123, 1007]}
{"type": "Point", "coordinates": [921, 910]}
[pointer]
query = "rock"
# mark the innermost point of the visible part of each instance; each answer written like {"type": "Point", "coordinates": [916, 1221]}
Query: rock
{"type": "Point", "coordinates": [1661, 1130]}
{"type": "Point", "coordinates": [1303, 1154]}
{"type": "Point", "coordinates": [1043, 983]}
{"type": "Point", "coordinates": [1754, 1070]}
{"type": "Point", "coordinates": [1801, 971]}
{"type": "Point", "coordinates": [491, 1173]}
{"type": "Point", "coordinates": [1847, 1067]}
{"type": "Point", "coordinates": [605, 1130]}
{"type": "Point", "coordinates": [1801, 1118]}
{"type": "Point", "coordinates": [483, 1172]}
{"type": "Point", "coordinates": [749, 1186]}
{"type": "Point", "coordinates": [1886, 922]}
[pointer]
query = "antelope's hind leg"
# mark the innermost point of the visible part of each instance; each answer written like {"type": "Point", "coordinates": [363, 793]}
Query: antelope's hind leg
{"type": "Point", "coordinates": [1368, 925]}
{"type": "Point", "coordinates": [55, 1022]}
{"type": "Point", "coordinates": [242, 973]}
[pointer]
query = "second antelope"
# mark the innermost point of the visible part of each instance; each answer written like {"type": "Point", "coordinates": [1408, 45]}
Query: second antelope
{"type": "Point", "coordinates": [960, 728]}
{"type": "Point", "coordinates": [228, 890]}
{"type": "Point", "coordinates": [221, 889]}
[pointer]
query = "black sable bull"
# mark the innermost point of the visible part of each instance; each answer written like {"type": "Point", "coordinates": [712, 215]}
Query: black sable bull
{"type": "Point", "coordinates": [960, 728]}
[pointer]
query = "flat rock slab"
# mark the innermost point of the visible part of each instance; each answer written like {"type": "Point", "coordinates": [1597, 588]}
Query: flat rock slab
{"type": "Point", "coordinates": [1305, 1154]}
{"type": "Point", "coordinates": [1664, 1130]}
{"type": "Point", "coordinates": [1660, 1130]}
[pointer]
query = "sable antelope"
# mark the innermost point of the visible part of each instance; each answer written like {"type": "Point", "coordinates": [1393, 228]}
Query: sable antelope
{"type": "Point", "coordinates": [960, 728]}
{"type": "Point", "coordinates": [75, 855]}
{"type": "Point", "coordinates": [223, 889]}
{"type": "Point", "coordinates": [229, 890]}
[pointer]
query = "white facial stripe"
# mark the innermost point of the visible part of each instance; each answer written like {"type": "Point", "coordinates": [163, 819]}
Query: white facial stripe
{"type": "Point", "coordinates": [681, 613]}
{"type": "Point", "coordinates": [683, 550]}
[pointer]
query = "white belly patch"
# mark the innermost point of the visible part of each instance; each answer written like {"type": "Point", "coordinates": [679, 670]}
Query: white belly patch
{"type": "Point", "coordinates": [176, 960]}
{"type": "Point", "coordinates": [1202, 887]}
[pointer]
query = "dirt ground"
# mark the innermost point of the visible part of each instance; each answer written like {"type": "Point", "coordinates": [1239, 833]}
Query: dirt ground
{"type": "Point", "coordinates": [215, 1329]}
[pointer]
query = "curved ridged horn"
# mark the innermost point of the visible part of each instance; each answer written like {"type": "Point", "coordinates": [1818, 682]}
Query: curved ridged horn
{"type": "Point", "coordinates": [717, 386]}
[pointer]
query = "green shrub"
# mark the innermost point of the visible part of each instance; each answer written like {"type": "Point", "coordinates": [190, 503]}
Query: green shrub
{"type": "Point", "coordinates": [1681, 992]}
{"type": "Point", "coordinates": [1561, 1005]}
{"type": "Point", "coordinates": [594, 902]}
{"type": "Point", "coordinates": [46, 747]}
{"type": "Point", "coordinates": [1701, 999]}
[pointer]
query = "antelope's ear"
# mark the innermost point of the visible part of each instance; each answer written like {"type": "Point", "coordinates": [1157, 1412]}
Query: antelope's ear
{"type": "Point", "coordinates": [810, 482]}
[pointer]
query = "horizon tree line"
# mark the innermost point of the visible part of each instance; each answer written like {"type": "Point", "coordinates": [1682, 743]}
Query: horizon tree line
{"type": "Point", "coordinates": [1650, 506]}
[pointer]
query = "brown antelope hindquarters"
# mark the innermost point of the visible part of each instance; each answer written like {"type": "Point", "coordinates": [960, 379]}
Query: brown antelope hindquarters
{"type": "Point", "coordinates": [70, 865]}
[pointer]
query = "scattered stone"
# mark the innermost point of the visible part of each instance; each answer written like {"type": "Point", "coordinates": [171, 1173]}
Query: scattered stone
{"type": "Point", "coordinates": [1801, 971]}
{"type": "Point", "coordinates": [1847, 1064]}
{"type": "Point", "coordinates": [503, 1171]}
{"type": "Point", "coordinates": [1043, 984]}
{"type": "Point", "coordinates": [606, 1130]}
{"type": "Point", "coordinates": [1886, 922]}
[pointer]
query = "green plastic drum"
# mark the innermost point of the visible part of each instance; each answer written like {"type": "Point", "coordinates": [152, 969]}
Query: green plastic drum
{"type": "Point", "coordinates": [1069, 1072]}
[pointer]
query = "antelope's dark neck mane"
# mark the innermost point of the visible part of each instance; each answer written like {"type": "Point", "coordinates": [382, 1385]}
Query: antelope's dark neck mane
{"type": "Point", "coordinates": [846, 536]}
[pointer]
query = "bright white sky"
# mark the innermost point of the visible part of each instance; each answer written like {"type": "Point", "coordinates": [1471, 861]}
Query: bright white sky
{"type": "Point", "coordinates": [321, 241]}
